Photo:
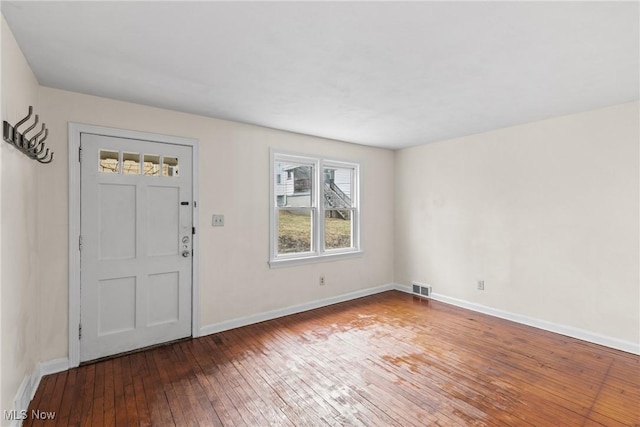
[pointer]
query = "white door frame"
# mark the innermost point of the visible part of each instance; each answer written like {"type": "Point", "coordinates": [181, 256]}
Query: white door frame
{"type": "Point", "coordinates": [75, 131]}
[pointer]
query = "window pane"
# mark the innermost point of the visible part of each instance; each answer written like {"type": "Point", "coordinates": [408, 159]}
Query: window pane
{"type": "Point", "coordinates": [294, 231]}
{"type": "Point", "coordinates": [109, 161]}
{"type": "Point", "coordinates": [131, 163]}
{"type": "Point", "coordinates": [293, 184]}
{"type": "Point", "coordinates": [337, 229]}
{"type": "Point", "coordinates": [169, 166]}
{"type": "Point", "coordinates": [151, 164]}
{"type": "Point", "coordinates": [337, 188]}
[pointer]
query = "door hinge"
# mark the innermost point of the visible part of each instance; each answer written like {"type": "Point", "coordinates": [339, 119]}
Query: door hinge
{"type": "Point", "coordinates": [79, 330]}
{"type": "Point", "coordinates": [195, 205]}
{"type": "Point", "coordinates": [80, 153]}
{"type": "Point", "coordinates": [193, 230]}
{"type": "Point", "coordinates": [80, 242]}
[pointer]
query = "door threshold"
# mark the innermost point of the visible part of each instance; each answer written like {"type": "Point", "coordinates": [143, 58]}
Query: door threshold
{"type": "Point", "coordinates": [137, 350]}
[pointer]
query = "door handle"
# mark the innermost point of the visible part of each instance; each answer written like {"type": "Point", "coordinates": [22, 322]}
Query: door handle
{"type": "Point", "coordinates": [186, 253]}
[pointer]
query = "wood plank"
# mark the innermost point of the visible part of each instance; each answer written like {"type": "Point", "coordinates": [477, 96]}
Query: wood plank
{"type": "Point", "coordinates": [207, 361]}
{"type": "Point", "coordinates": [97, 414]}
{"type": "Point", "coordinates": [120, 406]}
{"type": "Point", "coordinates": [203, 411]}
{"type": "Point", "coordinates": [157, 404]}
{"type": "Point", "coordinates": [52, 403]}
{"type": "Point", "coordinates": [43, 394]}
{"type": "Point", "coordinates": [87, 395]}
{"type": "Point", "coordinates": [109, 403]}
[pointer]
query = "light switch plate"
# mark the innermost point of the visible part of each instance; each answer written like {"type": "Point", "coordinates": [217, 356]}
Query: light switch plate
{"type": "Point", "coordinates": [217, 221]}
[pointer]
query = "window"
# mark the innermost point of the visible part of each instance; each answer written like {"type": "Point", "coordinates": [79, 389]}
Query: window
{"type": "Point", "coordinates": [129, 163]}
{"type": "Point", "coordinates": [314, 211]}
{"type": "Point", "coordinates": [109, 161]}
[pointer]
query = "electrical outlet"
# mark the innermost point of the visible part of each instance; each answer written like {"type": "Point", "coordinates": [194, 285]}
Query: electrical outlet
{"type": "Point", "coordinates": [217, 221]}
{"type": "Point", "coordinates": [481, 285]}
{"type": "Point", "coordinates": [321, 280]}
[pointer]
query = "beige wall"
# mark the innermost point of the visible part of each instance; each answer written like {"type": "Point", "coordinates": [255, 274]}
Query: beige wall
{"type": "Point", "coordinates": [546, 213]}
{"type": "Point", "coordinates": [19, 231]}
{"type": "Point", "coordinates": [235, 279]}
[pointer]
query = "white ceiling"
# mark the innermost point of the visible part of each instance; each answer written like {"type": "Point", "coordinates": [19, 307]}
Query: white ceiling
{"type": "Point", "coordinates": [385, 74]}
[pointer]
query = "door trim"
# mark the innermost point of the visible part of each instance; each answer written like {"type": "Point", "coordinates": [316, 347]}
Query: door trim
{"type": "Point", "coordinates": [75, 132]}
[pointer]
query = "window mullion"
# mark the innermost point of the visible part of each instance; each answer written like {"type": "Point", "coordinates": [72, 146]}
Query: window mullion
{"type": "Point", "coordinates": [273, 209]}
{"type": "Point", "coordinates": [275, 224]}
{"type": "Point", "coordinates": [319, 225]}
{"type": "Point", "coordinates": [355, 225]}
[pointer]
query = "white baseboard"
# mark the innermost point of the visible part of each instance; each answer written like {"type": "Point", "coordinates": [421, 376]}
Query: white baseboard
{"type": "Point", "coordinates": [25, 393]}
{"type": "Point", "coordinates": [274, 314]}
{"type": "Point", "coordinates": [30, 384]}
{"type": "Point", "coordinates": [402, 288]}
{"type": "Point", "coordinates": [570, 331]}
{"type": "Point", "coordinates": [53, 366]}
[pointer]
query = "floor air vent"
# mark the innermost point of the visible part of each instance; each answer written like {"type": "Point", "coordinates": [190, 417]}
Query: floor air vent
{"type": "Point", "coordinates": [420, 289]}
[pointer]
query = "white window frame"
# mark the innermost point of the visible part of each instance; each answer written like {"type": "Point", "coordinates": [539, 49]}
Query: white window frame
{"type": "Point", "coordinates": [318, 252]}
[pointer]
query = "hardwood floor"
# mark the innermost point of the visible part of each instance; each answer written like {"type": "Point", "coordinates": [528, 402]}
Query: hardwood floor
{"type": "Point", "coordinates": [386, 360]}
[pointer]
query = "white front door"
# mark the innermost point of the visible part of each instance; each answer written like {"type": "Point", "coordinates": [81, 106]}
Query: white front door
{"type": "Point", "coordinates": [136, 240]}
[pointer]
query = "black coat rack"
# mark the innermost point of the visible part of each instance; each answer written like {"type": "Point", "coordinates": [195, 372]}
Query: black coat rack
{"type": "Point", "coordinates": [32, 146]}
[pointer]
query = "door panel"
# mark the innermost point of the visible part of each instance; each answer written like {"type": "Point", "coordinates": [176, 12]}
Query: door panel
{"type": "Point", "coordinates": [136, 225]}
{"type": "Point", "coordinates": [116, 305]}
{"type": "Point", "coordinates": [162, 211]}
{"type": "Point", "coordinates": [164, 300]}
{"type": "Point", "coordinates": [117, 221]}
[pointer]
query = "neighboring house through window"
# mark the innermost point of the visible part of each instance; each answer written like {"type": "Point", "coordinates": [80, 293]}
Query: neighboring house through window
{"type": "Point", "coordinates": [315, 209]}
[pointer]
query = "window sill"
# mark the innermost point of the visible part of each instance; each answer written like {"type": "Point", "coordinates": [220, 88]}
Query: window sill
{"type": "Point", "coordinates": [289, 262]}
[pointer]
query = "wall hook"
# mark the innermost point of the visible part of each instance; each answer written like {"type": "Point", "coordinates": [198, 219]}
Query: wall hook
{"type": "Point", "coordinates": [32, 147]}
{"type": "Point", "coordinates": [21, 122]}
{"type": "Point", "coordinates": [44, 159]}
{"type": "Point", "coordinates": [35, 138]}
{"type": "Point", "coordinates": [24, 134]}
